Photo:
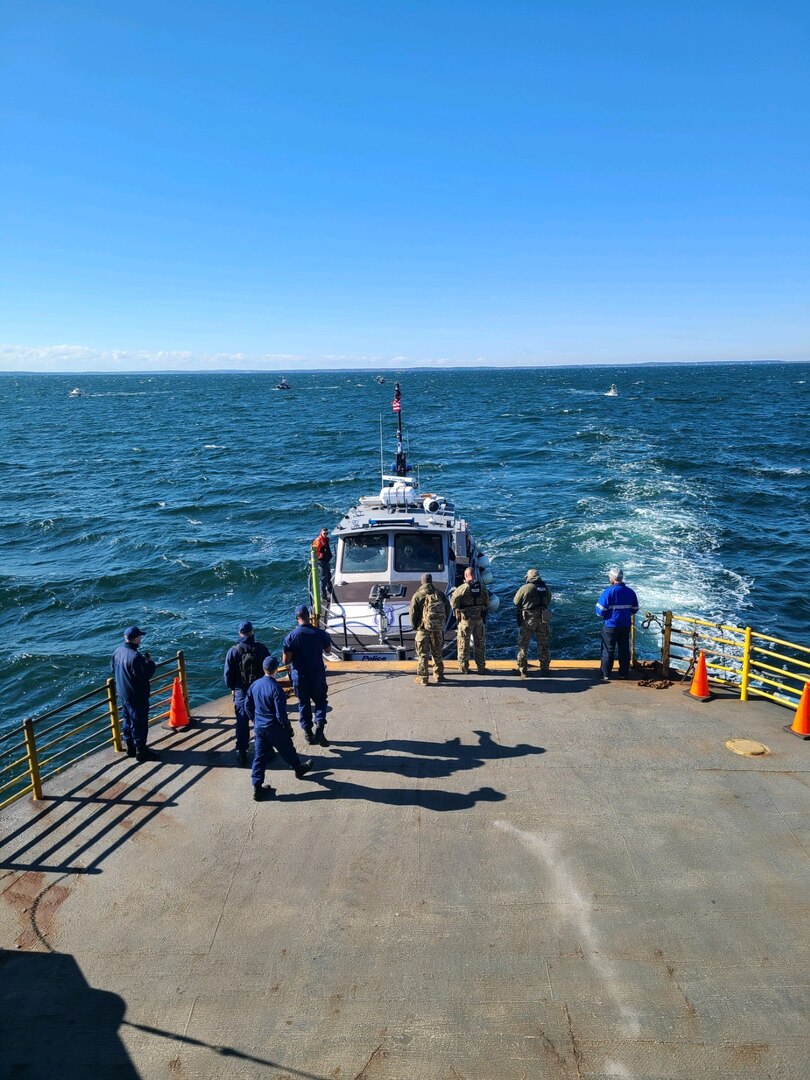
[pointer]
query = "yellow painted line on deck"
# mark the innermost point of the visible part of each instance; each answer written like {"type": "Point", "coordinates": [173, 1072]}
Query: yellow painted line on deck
{"type": "Point", "coordinates": [404, 666]}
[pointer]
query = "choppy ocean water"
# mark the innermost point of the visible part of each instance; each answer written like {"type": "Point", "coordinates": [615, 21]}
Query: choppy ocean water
{"type": "Point", "coordinates": [187, 502]}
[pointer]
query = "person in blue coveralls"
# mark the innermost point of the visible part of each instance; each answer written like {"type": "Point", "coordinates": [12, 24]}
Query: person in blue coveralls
{"type": "Point", "coordinates": [266, 706]}
{"type": "Point", "coordinates": [243, 666]}
{"type": "Point", "coordinates": [616, 607]}
{"type": "Point", "coordinates": [133, 671]}
{"type": "Point", "coordinates": [304, 650]}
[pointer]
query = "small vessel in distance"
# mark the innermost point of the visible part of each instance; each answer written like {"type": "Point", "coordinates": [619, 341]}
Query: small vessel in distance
{"type": "Point", "coordinates": [613, 391]}
{"type": "Point", "coordinates": [384, 545]}
{"type": "Point", "coordinates": [282, 384]}
{"type": "Point", "coordinates": [75, 392]}
{"type": "Point", "coordinates": [379, 379]}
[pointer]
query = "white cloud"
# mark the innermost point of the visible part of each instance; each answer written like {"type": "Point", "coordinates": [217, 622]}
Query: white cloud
{"type": "Point", "coordinates": [76, 358]}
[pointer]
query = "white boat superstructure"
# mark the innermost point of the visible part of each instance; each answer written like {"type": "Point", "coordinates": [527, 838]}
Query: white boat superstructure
{"type": "Point", "coordinates": [75, 392]}
{"type": "Point", "coordinates": [384, 545]}
{"type": "Point", "coordinates": [613, 391]}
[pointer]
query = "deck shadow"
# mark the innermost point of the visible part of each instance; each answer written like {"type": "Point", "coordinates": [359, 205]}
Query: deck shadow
{"type": "Point", "coordinates": [425, 799]}
{"type": "Point", "coordinates": [419, 758]}
{"type": "Point", "coordinates": [52, 1022]}
{"type": "Point", "coordinates": [89, 820]}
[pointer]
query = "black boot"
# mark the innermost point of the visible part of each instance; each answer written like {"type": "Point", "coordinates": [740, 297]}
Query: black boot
{"type": "Point", "coordinates": [241, 756]}
{"type": "Point", "coordinates": [320, 737]}
{"type": "Point", "coordinates": [310, 738]}
{"type": "Point", "coordinates": [261, 793]}
{"type": "Point", "coordinates": [130, 749]}
{"type": "Point", "coordinates": [303, 768]}
{"type": "Point", "coordinates": [146, 755]}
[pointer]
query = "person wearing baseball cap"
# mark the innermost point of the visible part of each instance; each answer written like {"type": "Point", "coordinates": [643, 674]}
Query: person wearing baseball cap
{"type": "Point", "coordinates": [304, 650]}
{"type": "Point", "coordinates": [133, 671]}
{"type": "Point", "coordinates": [266, 706]}
{"type": "Point", "coordinates": [243, 666]}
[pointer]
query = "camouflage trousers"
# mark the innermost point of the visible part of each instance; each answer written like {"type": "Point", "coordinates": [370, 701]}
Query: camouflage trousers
{"type": "Point", "coordinates": [540, 632]}
{"type": "Point", "coordinates": [471, 626]}
{"type": "Point", "coordinates": [429, 643]}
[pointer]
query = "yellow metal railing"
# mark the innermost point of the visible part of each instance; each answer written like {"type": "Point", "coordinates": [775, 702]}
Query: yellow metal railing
{"type": "Point", "coordinates": [34, 754]}
{"type": "Point", "coordinates": [735, 657]}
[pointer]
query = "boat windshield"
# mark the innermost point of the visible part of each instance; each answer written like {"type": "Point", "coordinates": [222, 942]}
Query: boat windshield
{"type": "Point", "coordinates": [365, 554]}
{"type": "Point", "coordinates": [415, 552]}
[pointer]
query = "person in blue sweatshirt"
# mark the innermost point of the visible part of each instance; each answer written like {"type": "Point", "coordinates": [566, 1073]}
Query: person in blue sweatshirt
{"type": "Point", "coordinates": [266, 706]}
{"type": "Point", "coordinates": [616, 607]}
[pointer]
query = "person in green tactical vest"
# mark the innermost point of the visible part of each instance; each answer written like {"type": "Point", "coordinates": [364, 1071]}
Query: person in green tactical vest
{"type": "Point", "coordinates": [532, 602]}
{"type": "Point", "coordinates": [470, 603]}
{"type": "Point", "coordinates": [430, 610]}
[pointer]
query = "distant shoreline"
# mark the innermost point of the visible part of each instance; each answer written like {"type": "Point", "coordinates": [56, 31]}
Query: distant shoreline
{"type": "Point", "coordinates": [380, 370]}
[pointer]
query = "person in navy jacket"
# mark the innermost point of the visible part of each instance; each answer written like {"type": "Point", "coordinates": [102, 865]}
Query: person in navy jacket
{"type": "Point", "coordinates": [616, 607]}
{"type": "Point", "coordinates": [133, 671]}
{"type": "Point", "coordinates": [266, 706]}
{"type": "Point", "coordinates": [304, 650]}
{"type": "Point", "coordinates": [243, 666]}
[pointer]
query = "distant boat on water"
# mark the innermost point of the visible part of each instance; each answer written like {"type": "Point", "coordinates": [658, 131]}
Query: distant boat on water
{"type": "Point", "coordinates": [75, 392]}
{"type": "Point", "coordinates": [379, 379]}
{"type": "Point", "coordinates": [283, 384]}
{"type": "Point", "coordinates": [613, 391]}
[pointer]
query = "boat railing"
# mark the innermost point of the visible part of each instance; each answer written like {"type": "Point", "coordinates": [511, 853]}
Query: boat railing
{"type": "Point", "coordinates": [48, 744]}
{"type": "Point", "coordinates": [737, 657]}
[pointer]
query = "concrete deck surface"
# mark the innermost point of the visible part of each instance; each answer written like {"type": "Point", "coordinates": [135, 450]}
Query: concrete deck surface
{"type": "Point", "coordinates": [491, 880]}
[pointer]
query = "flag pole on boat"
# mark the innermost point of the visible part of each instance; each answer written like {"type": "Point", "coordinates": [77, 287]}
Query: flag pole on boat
{"type": "Point", "coordinates": [396, 405]}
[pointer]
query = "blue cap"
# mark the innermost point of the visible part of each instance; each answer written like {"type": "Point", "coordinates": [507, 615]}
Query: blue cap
{"type": "Point", "coordinates": [246, 627]}
{"type": "Point", "coordinates": [302, 611]}
{"type": "Point", "coordinates": [270, 663]}
{"type": "Point", "coordinates": [132, 632]}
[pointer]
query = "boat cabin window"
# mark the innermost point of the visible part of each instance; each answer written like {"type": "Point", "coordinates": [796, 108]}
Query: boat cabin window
{"type": "Point", "coordinates": [365, 554]}
{"type": "Point", "coordinates": [417, 553]}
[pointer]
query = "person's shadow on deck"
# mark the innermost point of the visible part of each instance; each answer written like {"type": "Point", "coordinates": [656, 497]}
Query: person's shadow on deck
{"type": "Point", "coordinates": [420, 758]}
{"type": "Point", "coordinates": [426, 798]}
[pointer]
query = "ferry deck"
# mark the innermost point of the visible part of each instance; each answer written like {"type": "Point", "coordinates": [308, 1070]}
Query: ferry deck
{"type": "Point", "coordinates": [493, 879]}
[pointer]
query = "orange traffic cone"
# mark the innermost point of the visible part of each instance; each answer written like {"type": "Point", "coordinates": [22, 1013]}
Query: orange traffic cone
{"type": "Point", "coordinates": [700, 681]}
{"type": "Point", "coordinates": [178, 714]}
{"type": "Point", "coordinates": [801, 721]}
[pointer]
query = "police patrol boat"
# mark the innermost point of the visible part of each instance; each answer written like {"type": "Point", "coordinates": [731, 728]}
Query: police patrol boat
{"type": "Point", "coordinates": [384, 545]}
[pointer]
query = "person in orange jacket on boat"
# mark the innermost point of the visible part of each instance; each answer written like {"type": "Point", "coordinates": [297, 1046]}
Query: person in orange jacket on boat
{"type": "Point", "coordinates": [323, 553]}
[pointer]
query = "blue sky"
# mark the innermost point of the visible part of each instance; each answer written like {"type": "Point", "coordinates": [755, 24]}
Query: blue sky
{"type": "Point", "coordinates": [295, 184]}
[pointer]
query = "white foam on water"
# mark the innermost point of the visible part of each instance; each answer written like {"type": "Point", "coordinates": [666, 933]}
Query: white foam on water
{"type": "Point", "coordinates": [212, 446]}
{"type": "Point", "coordinates": [575, 909]}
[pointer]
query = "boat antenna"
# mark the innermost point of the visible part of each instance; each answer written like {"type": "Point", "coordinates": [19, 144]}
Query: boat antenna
{"type": "Point", "coordinates": [382, 462]}
{"type": "Point", "coordinates": [396, 405]}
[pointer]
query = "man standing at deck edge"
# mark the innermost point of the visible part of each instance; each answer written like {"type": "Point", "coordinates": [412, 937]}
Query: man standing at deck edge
{"type": "Point", "coordinates": [616, 607]}
{"type": "Point", "coordinates": [132, 671]}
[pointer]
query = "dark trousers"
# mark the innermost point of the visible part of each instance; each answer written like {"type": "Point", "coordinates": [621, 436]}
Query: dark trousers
{"type": "Point", "coordinates": [242, 720]}
{"type": "Point", "coordinates": [136, 724]}
{"type": "Point", "coordinates": [267, 738]}
{"type": "Point", "coordinates": [613, 636]}
{"type": "Point", "coordinates": [326, 578]}
{"type": "Point", "coordinates": [311, 692]}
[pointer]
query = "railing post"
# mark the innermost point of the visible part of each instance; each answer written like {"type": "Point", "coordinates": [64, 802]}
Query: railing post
{"type": "Point", "coordinates": [746, 665]}
{"type": "Point", "coordinates": [316, 587]}
{"type": "Point", "coordinates": [633, 641]}
{"type": "Point", "coordinates": [115, 720]}
{"type": "Point", "coordinates": [181, 674]}
{"type": "Point", "coordinates": [33, 760]}
{"type": "Point", "coordinates": [665, 644]}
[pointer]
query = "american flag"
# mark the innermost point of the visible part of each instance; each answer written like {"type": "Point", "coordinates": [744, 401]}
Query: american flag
{"type": "Point", "coordinates": [396, 404]}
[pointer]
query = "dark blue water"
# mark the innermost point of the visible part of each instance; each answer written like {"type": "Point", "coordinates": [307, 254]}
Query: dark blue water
{"type": "Point", "coordinates": [187, 502]}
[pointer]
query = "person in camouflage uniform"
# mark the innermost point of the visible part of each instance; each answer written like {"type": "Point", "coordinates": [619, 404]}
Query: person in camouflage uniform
{"type": "Point", "coordinates": [470, 603]}
{"type": "Point", "coordinates": [531, 607]}
{"type": "Point", "coordinates": [430, 610]}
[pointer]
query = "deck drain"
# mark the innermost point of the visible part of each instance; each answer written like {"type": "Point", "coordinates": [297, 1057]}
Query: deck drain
{"type": "Point", "coordinates": [747, 747]}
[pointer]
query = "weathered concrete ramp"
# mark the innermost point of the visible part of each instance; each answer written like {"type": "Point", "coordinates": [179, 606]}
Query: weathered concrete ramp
{"type": "Point", "coordinates": [491, 880]}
